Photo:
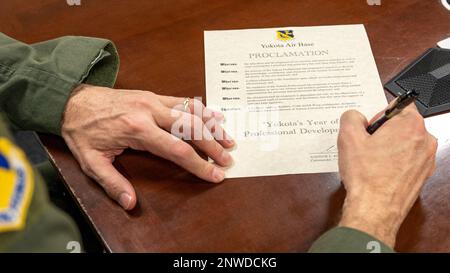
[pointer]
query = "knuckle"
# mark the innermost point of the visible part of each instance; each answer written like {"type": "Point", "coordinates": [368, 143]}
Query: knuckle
{"type": "Point", "coordinates": [433, 145]}
{"type": "Point", "coordinates": [418, 119]}
{"type": "Point", "coordinates": [414, 116]}
{"type": "Point", "coordinates": [135, 124]}
{"type": "Point", "coordinates": [145, 100]}
{"type": "Point", "coordinates": [415, 126]}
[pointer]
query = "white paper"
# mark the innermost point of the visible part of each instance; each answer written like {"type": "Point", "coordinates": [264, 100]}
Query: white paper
{"type": "Point", "coordinates": [282, 96]}
{"type": "Point", "coordinates": [444, 43]}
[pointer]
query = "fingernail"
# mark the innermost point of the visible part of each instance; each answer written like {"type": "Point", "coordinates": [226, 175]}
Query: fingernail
{"type": "Point", "coordinates": [218, 175]}
{"type": "Point", "coordinates": [125, 200]}
{"type": "Point", "coordinates": [229, 142]}
{"type": "Point", "coordinates": [226, 157]}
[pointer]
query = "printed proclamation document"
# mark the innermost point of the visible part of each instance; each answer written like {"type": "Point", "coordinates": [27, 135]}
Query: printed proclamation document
{"type": "Point", "coordinates": [283, 90]}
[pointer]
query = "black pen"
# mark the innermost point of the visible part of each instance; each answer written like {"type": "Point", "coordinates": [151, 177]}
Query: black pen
{"type": "Point", "coordinates": [402, 101]}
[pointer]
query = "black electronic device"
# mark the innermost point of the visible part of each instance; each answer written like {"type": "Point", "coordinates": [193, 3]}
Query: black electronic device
{"type": "Point", "coordinates": [429, 75]}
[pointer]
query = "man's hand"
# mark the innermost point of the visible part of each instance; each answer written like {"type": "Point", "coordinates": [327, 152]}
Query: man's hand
{"type": "Point", "coordinates": [99, 123]}
{"type": "Point", "coordinates": [384, 172]}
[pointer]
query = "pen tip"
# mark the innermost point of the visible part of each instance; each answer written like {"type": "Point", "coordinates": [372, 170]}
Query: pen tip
{"type": "Point", "coordinates": [414, 93]}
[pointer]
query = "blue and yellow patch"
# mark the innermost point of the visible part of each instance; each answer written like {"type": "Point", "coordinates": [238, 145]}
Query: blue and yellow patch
{"type": "Point", "coordinates": [16, 186]}
{"type": "Point", "coordinates": [285, 35]}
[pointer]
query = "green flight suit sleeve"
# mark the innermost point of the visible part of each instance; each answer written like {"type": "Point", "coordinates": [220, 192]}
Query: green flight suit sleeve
{"type": "Point", "coordinates": [43, 227]}
{"type": "Point", "coordinates": [35, 83]}
{"type": "Point", "coordinates": [348, 240]}
{"type": "Point", "coordinates": [36, 80]}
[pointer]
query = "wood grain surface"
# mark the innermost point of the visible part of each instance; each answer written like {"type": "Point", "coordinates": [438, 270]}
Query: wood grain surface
{"type": "Point", "coordinates": [161, 49]}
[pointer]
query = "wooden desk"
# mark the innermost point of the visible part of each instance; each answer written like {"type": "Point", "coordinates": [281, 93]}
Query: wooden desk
{"type": "Point", "coordinates": [161, 48]}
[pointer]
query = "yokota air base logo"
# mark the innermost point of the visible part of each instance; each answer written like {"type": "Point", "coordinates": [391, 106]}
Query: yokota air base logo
{"type": "Point", "coordinates": [16, 186]}
{"type": "Point", "coordinates": [285, 35]}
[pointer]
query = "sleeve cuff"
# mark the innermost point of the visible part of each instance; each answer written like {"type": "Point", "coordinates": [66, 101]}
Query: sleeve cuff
{"type": "Point", "coordinates": [348, 240]}
{"type": "Point", "coordinates": [85, 60]}
{"type": "Point", "coordinates": [41, 82]}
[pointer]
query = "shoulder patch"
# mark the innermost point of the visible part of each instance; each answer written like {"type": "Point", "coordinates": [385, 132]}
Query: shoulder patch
{"type": "Point", "coordinates": [16, 186]}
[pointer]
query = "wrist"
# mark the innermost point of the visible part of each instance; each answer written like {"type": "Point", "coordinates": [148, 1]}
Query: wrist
{"type": "Point", "coordinates": [73, 105]}
{"type": "Point", "coordinates": [372, 216]}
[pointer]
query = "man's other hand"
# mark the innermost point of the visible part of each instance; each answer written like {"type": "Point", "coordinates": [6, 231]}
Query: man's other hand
{"type": "Point", "coordinates": [99, 123]}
